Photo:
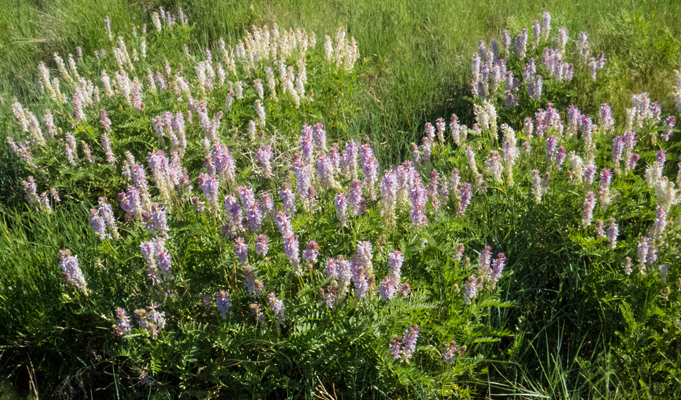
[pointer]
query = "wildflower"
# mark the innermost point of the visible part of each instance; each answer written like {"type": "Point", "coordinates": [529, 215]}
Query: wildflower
{"type": "Point", "coordinates": [73, 276]}
{"type": "Point", "coordinates": [458, 131]}
{"type": "Point", "coordinates": [600, 233]}
{"type": "Point", "coordinates": [200, 205]}
{"type": "Point", "coordinates": [150, 250]}
{"type": "Point", "coordinates": [511, 152]}
{"type": "Point", "coordinates": [303, 182]}
{"type": "Point", "coordinates": [643, 248]}
{"type": "Point", "coordinates": [264, 159]}
{"type": "Point", "coordinates": [260, 112]}
{"type": "Point", "coordinates": [668, 123]}
{"type": "Point", "coordinates": [466, 193]}
{"type": "Point", "coordinates": [223, 304]}
{"type": "Point", "coordinates": [536, 186]}
{"type": "Point", "coordinates": [122, 327]}
{"type": "Point", "coordinates": [288, 198]}
{"type": "Point", "coordinates": [106, 144]}
{"type": "Point", "coordinates": [440, 125]}
{"type": "Point", "coordinates": [229, 100]}
{"type": "Point", "coordinates": [355, 198]}
{"type": "Point", "coordinates": [241, 250]}
{"type": "Point", "coordinates": [320, 137]}
{"type": "Point", "coordinates": [607, 120]}
{"type": "Point", "coordinates": [152, 321]}
{"type": "Point", "coordinates": [267, 205]}
{"type": "Point", "coordinates": [409, 342]}
{"type": "Point", "coordinates": [617, 148]}
{"type": "Point", "coordinates": [335, 158]}
{"type": "Point", "coordinates": [329, 295]}
{"type": "Point", "coordinates": [643, 110]}
{"type": "Point", "coordinates": [394, 348]}
{"type": "Point", "coordinates": [140, 180]}
{"type": "Point", "coordinates": [277, 307]}
{"type": "Point", "coordinates": [388, 189]}
{"type": "Point", "coordinates": [341, 203]}
{"type": "Point", "coordinates": [253, 211]}
{"type": "Point", "coordinates": [613, 231]}
{"type": "Point", "coordinates": [290, 241]}
{"type": "Point", "coordinates": [70, 148]}
{"type": "Point", "coordinates": [306, 143]}
{"type": "Point", "coordinates": [651, 257]}
{"type": "Point", "coordinates": [510, 100]}
{"type": "Point", "coordinates": [471, 289]}
{"type": "Point", "coordinates": [492, 118]}
{"type": "Point", "coordinates": [155, 220]}
{"type": "Point", "coordinates": [574, 120]}
{"type": "Point", "coordinates": [30, 188]}
{"type": "Point", "coordinates": [484, 263]}
{"type": "Point", "coordinates": [130, 203]}
{"type": "Point", "coordinates": [359, 279]}
{"type": "Point", "coordinates": [395, 260]}
{"type": "Point", "coordinates": [419, 198]}
{"type": "Point", "coordinates": [210, 186]}
{"type": "Point", "coordinates": [369, 167]}
{"type": "Point", "coordinates": [497, 268]}
{"type": "Point", "coordinates": [107, 214]}
{"type": "Point", "coordinates": [664, 273]}
{"type": "Point", "coordinates": [452, 350]}
{"type": "Point", "coordinates": [136, 95]}
{"type": "Point", "coordinates": [654, 173]}
{"type": "Point", "coordinates": [627, 266]}
{"type": "Point", "coordinates": [255, 287]}
{"type": "Point", "coordinates": [521, 44]}
{"type": "Point", "coordinates": [577, 167]}
{"type": "Point", "coordinates": [660, 224]}
{"type": "Point", "coordinates": [528, 127]}
{"type": "Point", "coordinates": [403, 289]}
{"type": "Point", "coordinates": [78, 114]}
{"type": "Point", "coordinates": [587, 212]}
{"type": "Point", "coordinates": [470, 155]}
{"type": "Point", "coordinates": [311, 252]}
{"type": "Point", "coordinates": [98, 224]}
{"type": "Point", "coordinates": [560, 157]}
{"type": "Point", "coordinates": [387, 288]}
{"type": "Point", "coordinates": [494, 166]}
{"type": "Point", "coordinates": [344, 275]}
{"type": "Point", "coordinates": [325, 171]}
{"type": "Point", "coordinates": [506, 41]}
{"type": "Point", "coordinates": [631, 163]}
{"type": "Point", "coordinates": [349, 160]}
{"type": "Point", "coordinates": [534, 88]}
{"type": "Point", "coordinates": [364, 256]}
{"type": "Point", "coordinates": [257, 313]}
{"type": "Point", "coordinates": [583, 47]}
{"type": "Point", "coordinates": [224, 162]}
{"type": "Point", "coordinates": [458, 252]}
{"type": "Point", "coordinates": [604, 189]}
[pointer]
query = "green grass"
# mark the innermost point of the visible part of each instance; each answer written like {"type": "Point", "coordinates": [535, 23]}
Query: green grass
{"type": "Point", "coordinates": [415, 54]}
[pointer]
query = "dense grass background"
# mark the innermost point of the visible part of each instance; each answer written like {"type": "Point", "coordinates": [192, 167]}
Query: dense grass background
{"type": "Point", "coordinates": [415, 67]}
{"type": "Point", "coordinates": [415, 54]}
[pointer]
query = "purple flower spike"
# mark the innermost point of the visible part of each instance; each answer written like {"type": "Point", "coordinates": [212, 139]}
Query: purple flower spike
{"type": "Point", "coordinates": [73, 276]}
{"type": "Point", "coordinates": [241, 250]}
{"type": "Point", "coordinates": [277, 307]}
{"type": "Point", "coordinates": [261, 245]}
{"type": "Point", "coordinates": [311, 252]}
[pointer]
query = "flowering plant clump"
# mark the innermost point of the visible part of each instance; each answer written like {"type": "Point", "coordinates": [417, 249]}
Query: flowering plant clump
{"type": "Point", "coordinates": [251, 241]}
